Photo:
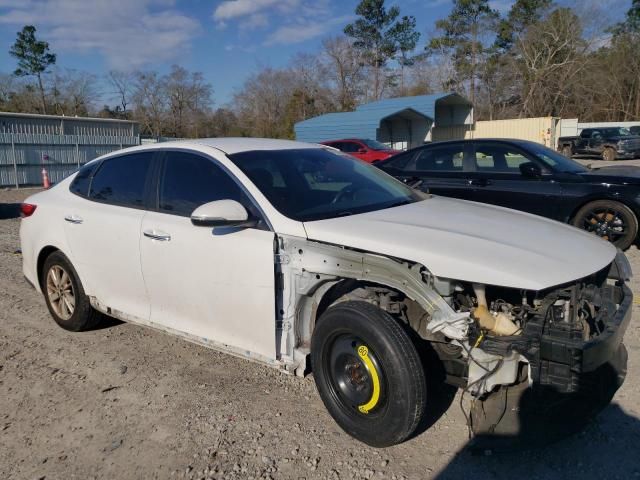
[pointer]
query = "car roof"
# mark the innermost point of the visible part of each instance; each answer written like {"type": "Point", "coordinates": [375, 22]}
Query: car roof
{"type": "Point", "coordinates": [230, 145]}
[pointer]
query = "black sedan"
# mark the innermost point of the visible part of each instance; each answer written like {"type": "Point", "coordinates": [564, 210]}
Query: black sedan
{"type": "Point", "coordinates": [530, 177]}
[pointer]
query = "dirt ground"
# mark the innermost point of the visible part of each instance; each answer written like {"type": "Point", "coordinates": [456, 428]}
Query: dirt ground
{"type": "Point", "coordinates": [127, 402]}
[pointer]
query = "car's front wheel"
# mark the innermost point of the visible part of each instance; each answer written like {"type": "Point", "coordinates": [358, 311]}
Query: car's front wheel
{"type": "Point", "coordinates": [64, 295]}
{"type": "Point", "coordinates": [368, 373]}
{"type": "Point", "coordinates": [610, 220]}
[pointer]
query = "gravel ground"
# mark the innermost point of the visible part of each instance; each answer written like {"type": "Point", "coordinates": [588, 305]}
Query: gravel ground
{"type": "Point", "coordinates": [128, 402]}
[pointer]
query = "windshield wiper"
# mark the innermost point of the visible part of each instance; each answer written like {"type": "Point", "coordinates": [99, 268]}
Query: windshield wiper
{"type": "Point", "coordinates": [343, 214]}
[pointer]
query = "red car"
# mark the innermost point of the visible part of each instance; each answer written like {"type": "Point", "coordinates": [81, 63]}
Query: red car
{"type": "Point", "coordinates": [364, 149]}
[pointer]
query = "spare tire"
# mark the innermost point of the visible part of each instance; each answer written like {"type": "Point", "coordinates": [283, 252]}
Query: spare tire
{"type": "Point", "coordinates": [368, 373]}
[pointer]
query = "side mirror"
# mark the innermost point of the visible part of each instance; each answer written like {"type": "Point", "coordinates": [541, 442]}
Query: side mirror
{"type": "Point", "coordinates": [222, 213]}
{"type": "Point", "coordinates": [362, 150]}
{"type": "Point", "coordinates": [530, 170]}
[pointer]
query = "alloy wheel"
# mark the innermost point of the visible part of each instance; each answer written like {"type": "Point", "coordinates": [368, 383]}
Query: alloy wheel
{"type": "Point", "coordinates": [607, 223]}
{"type": "Point", "coordinates": [60, 292]}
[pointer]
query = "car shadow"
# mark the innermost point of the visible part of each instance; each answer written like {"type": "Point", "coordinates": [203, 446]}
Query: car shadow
{"type": "Point", "coordinates": [440, 395]}
{"type": "Point", "coordinates": [106, 322]}
{"type": "Point", "coordinates": [542, 433]}
{"type": "Point", "coordinates": [604, 449]}
{"type": "Point", "coordinates": [9, 210]}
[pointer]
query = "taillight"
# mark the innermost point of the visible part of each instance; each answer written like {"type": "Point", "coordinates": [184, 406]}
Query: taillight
{"type": "Point", "coordinates": [27, 209]}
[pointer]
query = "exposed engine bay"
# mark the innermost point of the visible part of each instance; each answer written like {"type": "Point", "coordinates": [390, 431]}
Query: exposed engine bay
{"type": "Point", "coordinates": [555, 333]}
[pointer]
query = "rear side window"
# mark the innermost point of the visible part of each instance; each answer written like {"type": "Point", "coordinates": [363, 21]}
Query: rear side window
{"type": "Point", "coordinates": [80, 184]}
{"type": "Point", "coordinates": [447, 158]}
{"type": "Point", "coordinates": [121, 180]}
{"type": "Point", "coordinates": [499, 159]}
{"type": "Point", "coordinates": [189, 181]}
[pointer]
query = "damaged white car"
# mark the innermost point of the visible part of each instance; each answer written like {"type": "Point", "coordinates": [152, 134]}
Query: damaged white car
{"type": "Point", "coordinates": [302, 258]}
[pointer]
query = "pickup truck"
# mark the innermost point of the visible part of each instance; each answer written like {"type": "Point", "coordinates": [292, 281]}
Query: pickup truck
{"type": "Point", "coordinates": [611, 143]}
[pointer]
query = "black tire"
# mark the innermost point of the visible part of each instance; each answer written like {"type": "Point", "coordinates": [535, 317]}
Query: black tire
{"type": "Point", "coordinates": [82, 317]}
{"type": "Point", "coordinates": [611, 220]}
{"type": "Point", "coordinates": [567, 151]}
{"type": "Point", "coordinates": [348, 334]}
{"type": "Point", "coordinates": [609, 154]}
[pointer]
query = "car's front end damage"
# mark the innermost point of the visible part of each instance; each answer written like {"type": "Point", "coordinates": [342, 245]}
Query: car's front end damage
{"type": "Point", "coordinates": [499, 344]}
{"type": "Point", "coordinates": [540, 363]}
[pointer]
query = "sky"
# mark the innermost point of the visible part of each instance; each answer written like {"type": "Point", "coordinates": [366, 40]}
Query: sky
{"type": "Point", "coordinates": [227, 40]}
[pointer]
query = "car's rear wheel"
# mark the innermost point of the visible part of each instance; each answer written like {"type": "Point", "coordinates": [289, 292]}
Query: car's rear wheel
{"type": "Point", "coordinates": [368, 373]}
{"type": "Point", "coordinates": [611, 220]}
{"type": "Point", "coordinates": [609, 154]}
{"type": "Point", "coordinates": [64, 295]}
{"type": "Point", "coordinates": [567, 151]}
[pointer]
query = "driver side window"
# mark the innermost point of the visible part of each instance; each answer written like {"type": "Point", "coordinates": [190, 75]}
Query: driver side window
{"type": "Point", "coordinates": [188, 181]}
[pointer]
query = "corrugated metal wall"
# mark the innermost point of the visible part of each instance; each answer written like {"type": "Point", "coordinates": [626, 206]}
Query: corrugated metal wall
{"type": "Point", "coordinates": [29, 142]}
{"type": "Point", "coordinates": [22, 156]}
{"type": "Point", "coordinates": [541, 130]}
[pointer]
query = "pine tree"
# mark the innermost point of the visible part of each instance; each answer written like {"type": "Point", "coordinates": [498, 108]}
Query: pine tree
{"type": "Point", "coordinates": [34, 58]}
{"type": "Point", "coordinates": [462, 33]}
{"type": "Point", "coordinates": [379, 37]}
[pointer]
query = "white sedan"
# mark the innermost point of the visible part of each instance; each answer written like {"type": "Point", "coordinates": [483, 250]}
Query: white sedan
{"type": "Point", "coordinates": [301, 258]}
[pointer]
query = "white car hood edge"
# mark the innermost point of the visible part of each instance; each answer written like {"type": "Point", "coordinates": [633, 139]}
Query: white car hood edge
{"type": "Point", "coordinates": [472, 242]}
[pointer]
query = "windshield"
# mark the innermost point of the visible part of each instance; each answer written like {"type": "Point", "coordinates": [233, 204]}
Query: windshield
{"type": "Point", "coordinates": [555, 160]}
{"type": "Point", "coordinates": [615, 132]}
{"type": "Point", "coordinates": [375, 145]}
{"type": "Point", "coordinates": [316, 184]}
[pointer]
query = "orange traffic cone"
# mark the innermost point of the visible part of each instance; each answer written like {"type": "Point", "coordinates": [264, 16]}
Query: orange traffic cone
{"type": "Point", "coordinates": [45, 178]}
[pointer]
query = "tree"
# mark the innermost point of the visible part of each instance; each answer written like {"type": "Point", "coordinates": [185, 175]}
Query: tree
{"type": "Point", "coordinates": [189, 99]}
{"type": "Point", "coordinates": [150, 98]}
{"type": "Point", "coordinates": [618, 70]}
{"type": "Point", "coordinates": [407, 38]}
{"type": "Point", "coordinates": [34, 58]}
{"type": "Point", "coordinates": [552, 56]}
{"type": "Point", "coordinates": [73, 92]}
{"type": "Point", "coordinates": [122, 85]}
{"type": "Point", "coordinates": [345, 67]}
{"type": "Point", "coordinates": [631, 23]}
{"type": "Point", "coordinates": [522, 14]}
{"type": "Point", "coordinates": [377, 35]}
{"type": "Point", "coordinates": [262, 103]}
{"type": "Point", "coordinates": [463, 33]}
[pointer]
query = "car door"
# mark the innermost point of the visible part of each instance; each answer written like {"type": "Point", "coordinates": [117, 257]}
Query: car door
{"type": "Point", "coordinates": [498, 180]}
{"type": "Point", "coordinates": [582, 142]}
{"type": "Point", "coordinates": [103, 231]}
{"type": "Point", "coordinates": [441, 168]}
{"type": "Point", "coordinates": [216, 284]}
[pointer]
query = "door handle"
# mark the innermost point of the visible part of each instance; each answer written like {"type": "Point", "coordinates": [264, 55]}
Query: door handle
{"type": "Point", "coordinates": [157, 235]}
{"type": "Point", "coordinates": [73, 219]}
{"type": "Point", "coordinates": [479, 182]}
